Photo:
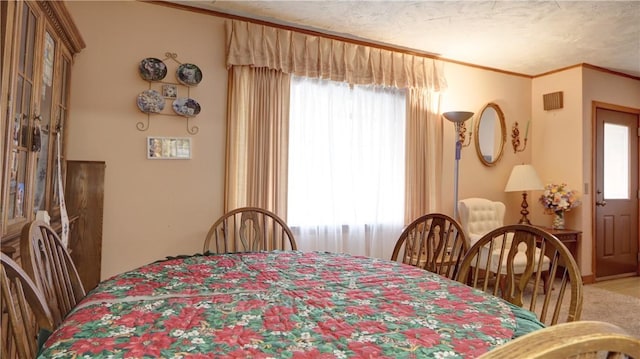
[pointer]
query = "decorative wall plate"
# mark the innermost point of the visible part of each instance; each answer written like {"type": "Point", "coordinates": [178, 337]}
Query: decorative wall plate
{"type": "Point", "coordinates": [186, 107]}
{"type": "Point", "coordinates": [189, 74]}
{"type": "Point", "coordinates": [150, 101]}
{"type": "Point", "coordinates": [152, 69]}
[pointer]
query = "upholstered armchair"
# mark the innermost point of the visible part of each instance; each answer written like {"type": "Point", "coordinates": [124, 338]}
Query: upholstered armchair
{"type": "Point", "coordinates": [479, 216]}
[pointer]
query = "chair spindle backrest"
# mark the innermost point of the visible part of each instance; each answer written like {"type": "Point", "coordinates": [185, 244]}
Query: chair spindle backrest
{"type": "Point", "coordinates": [528, 267]}
{"type": "Point", "coordinates": [249, 229]}
{"type": "Point", "coordinates": [24, 311]}
{"type": "Point", "coordinates": [434, 242]}
{"type": "Point", "coordinates": [48, 263]}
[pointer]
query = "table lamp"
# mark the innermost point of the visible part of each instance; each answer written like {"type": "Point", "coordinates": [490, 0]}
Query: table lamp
{"type": "Point", "coordinates": [523, 178]}
{"type": "Point", "coordinates": [457, 117]}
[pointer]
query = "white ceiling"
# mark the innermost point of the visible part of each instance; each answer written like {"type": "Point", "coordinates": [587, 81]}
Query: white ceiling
{"type": "Point", "coordinates": [525, 37]}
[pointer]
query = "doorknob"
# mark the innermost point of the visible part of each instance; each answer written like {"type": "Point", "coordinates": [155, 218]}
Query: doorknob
{"type": "Point", "coordinates": [600, 203]}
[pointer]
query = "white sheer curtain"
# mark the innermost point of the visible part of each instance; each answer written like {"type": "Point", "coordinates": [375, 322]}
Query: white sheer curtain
{"type": "Point", "coordinates": [346, 166]}
{"type": "Point", "coordinates": [257, 169]}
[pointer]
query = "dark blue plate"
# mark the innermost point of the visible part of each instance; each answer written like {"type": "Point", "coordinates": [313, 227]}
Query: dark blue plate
{"type": "Point", "coordinates": [189, 74]}
{"type": "Point", "coordinates": [186, 107]}
{"type": "Point", "coordinates": [152, 69]}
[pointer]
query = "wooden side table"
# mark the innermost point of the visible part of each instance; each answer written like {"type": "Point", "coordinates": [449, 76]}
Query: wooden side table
{"type": "Point", "coordinates": [571, 238]}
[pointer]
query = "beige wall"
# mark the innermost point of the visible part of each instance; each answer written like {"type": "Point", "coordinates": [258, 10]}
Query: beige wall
{"type": "Point", "coordinates": [562, 138]}
{"type": "Point", "coordinates": [153, 208]}
{"type": "Point", "coordinates": [158, 208]}
{"type": "Point", "coordinates": [557, 143]}
{"type": "Point", "coordinates": [557, 138]}
{"type": "Point", "coordinates": [471, 89]}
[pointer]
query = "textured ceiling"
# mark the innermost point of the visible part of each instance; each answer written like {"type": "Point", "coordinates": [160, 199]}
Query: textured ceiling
{"type": "Point", "coordinates": [526, 37]}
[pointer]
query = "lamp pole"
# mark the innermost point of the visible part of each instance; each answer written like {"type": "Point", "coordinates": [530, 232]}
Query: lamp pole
{"type": "Point", "coordinates": [457, 117]}
{"type": "Point", "coordinates": [456, 170]}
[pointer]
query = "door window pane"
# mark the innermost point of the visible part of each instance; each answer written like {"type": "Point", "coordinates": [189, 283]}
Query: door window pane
{"type": "Point", "coordinates": [616, 161]}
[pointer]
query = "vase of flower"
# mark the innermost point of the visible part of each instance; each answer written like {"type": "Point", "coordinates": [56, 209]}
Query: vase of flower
{"type": "Point", "coordinates": [557, 200]}
{"type": "Point", "coordinates": [558, 220]}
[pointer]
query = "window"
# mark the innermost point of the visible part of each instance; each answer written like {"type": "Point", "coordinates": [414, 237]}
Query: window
{"type": "Point", "coordinates": [616, 161]}
{"type": "Point", "coordinates": [346, 166]}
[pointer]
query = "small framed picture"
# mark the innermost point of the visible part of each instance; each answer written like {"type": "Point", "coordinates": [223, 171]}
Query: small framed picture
{"type": "Point", "coordinates": [170, 91]}
{"type": "Point", "coordinates": [168, 148]}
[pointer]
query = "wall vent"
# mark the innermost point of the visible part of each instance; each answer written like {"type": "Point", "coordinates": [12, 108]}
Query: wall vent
{"type": "Point", "coordinates": [552, 101]}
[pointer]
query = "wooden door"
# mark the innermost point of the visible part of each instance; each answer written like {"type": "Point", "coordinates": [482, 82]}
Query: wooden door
{"type": "Point", "coordinates": [84, 196]}
{"type": "Point", "coordinates": [616, 191]}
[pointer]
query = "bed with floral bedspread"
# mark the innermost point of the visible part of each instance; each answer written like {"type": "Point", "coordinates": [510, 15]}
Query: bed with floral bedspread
{"type": "Point", "coordinates": [284, 305]}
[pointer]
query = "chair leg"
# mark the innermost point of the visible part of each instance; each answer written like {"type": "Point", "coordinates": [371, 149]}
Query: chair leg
{"type": "Point", "coordinates": [546, 280]}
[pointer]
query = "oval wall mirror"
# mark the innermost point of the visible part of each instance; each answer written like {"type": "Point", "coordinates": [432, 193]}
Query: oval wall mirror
{"type": "Point", "coordinates": [491, 134]}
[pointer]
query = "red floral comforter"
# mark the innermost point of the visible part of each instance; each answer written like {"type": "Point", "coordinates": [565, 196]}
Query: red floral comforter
{"type": "Point", "coordinates": [281, 305]}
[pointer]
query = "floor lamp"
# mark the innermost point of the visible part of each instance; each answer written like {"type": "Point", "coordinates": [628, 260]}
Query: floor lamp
{"type": "Point", "coordinates": [457, 117]}
{"type": "Point", "coordinates": [523, 178]}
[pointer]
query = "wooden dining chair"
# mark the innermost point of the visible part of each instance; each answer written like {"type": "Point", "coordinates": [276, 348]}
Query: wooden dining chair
{"type": "Point", "coordinates": [514, 262]}
{"type": "Point", "coordinates": [249, 229]}
{"type": "Point", "coordinates": [24, 312]}
{"type": "Point", "coordinates": [48, 263]}
{"type": "Point", "coordinates": [581, 339]}
{"type": "Point", "coordinates": [434, 242]}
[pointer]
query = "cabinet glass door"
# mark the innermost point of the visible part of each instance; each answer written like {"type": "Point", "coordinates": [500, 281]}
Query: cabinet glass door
{"type": "Point", "coordinates": [22, 111]}
{"type": "Point", "coordinates": [39, 40]}
{"type": "Point", "coordinates": [44, 126]}
{"type": "Point", "coordinates": [61, 110]}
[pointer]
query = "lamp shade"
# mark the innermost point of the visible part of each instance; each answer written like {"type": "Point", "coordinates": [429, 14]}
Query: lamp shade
{"type": "Point", "coordinates": [523, 178]}
{"type": "Point", "coordinates": [457, 116]}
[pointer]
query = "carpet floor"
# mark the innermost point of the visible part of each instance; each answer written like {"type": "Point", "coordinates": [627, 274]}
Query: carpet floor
{"type": "Point", "coordinates": [603, 305]}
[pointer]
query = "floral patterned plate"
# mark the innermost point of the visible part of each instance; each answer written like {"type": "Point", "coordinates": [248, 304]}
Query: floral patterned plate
{"type": "Point", "coordinates": [152, 69]}
{"type": "Point", "coordinates": [150, 101]}
{"type": "Point", "coordinates": [186, 107]}
{"type": "Point", "coordinates": [189, 74]}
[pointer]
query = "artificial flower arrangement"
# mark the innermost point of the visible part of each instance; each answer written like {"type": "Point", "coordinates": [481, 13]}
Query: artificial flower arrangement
{"type": "Point", "coordinates": [557, 198]}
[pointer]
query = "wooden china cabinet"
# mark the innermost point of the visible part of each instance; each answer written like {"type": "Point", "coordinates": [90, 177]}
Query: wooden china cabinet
{"type": "Point", "coordinates": [39, 40]}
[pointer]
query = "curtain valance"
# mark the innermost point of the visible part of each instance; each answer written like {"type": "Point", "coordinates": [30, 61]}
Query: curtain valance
{"type": "Point", "coordinates": [300, 54]}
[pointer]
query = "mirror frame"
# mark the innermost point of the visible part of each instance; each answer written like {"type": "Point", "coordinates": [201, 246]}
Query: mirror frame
{"type": "Point", "coordinates": [503, 137]}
